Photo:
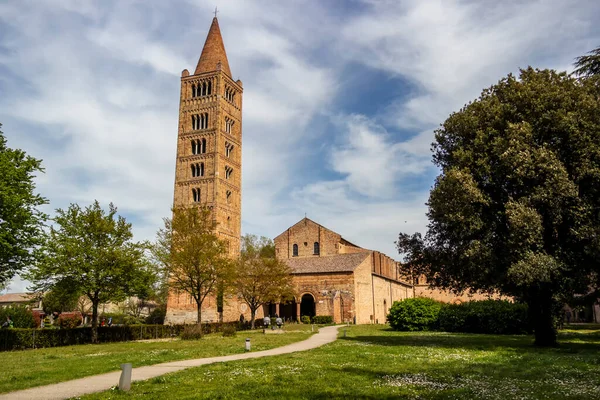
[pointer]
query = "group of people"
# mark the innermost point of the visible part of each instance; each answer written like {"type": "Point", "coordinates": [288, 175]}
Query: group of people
{"type": "Point", "coordinates": [104, 322]}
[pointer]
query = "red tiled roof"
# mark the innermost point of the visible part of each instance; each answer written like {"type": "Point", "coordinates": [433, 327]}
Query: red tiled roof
{"type": "Point", "coordinates": [335, 263]}
{"type": "Point", "coordinates": [15, 297]}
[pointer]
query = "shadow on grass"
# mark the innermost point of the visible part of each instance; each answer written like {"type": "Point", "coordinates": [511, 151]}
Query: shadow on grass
{"type": "Point", "coordinates": [570, 342]}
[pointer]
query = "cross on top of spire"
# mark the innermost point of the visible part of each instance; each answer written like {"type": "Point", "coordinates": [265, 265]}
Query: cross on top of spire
{"type": "Point", "coordinates": [213, 52]}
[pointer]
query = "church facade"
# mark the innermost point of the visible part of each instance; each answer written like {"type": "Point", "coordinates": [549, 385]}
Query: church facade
{"type": "Point", "coordinates": [332, 276]}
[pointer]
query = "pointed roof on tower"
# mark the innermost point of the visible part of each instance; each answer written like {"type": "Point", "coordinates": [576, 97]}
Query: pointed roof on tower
{"type": "Point", "coordinates": [213, 52]}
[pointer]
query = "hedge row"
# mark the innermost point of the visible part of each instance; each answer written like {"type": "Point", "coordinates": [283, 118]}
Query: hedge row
{"type": "Point", "coordinates": [20, 339]}
{"type": "Point", "coordinates": [487, 316]}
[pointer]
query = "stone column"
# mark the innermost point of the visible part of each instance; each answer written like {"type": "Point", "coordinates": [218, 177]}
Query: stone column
{"type": "Point", "coordinates": [298, 311]}
{"type": "Point", "coordinates": [277, 309]}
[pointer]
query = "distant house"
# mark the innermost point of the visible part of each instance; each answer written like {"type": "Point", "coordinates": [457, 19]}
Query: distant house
{"type": "Point", "coordinates": [33, 301]}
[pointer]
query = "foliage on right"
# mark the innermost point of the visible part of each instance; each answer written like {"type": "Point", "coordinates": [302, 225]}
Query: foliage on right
{"type": "Point", "coordinates": [516, 208]}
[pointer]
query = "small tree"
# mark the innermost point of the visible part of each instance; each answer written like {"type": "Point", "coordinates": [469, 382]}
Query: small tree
{"type": "Point", "coordinates": [261, 278]}
{"type": "Point", "coordinates": [20, 220]}
{"type": "Point", "coordinates": [92, 253]}
{"type": "Point", "coordinates": [195, 260]}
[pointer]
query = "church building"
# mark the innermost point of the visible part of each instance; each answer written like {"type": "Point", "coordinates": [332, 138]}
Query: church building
{"type": "Point", "coordinates": [333, 277]}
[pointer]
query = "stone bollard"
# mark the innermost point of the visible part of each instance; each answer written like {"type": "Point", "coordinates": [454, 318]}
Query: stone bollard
{"type": "Point", "coordinates": [312, 328]}
{"type": "Point", "coordinates": [247, 344]}
{"type": "Point", "coordinates": [125, 380]}
{"type": "Point", "coordinates": [344, 333]}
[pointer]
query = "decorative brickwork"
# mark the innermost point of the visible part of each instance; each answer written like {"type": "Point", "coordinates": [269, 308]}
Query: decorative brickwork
{"type": "Point", "coordinates": [209, 160]}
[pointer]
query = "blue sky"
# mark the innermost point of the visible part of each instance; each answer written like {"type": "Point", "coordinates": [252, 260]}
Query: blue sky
{"type": "Point", "coordinates": [341, 98]}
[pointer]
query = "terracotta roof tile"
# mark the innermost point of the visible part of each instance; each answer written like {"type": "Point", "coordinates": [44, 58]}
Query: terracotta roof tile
{"type": "Point", "coordinates": [213, 52]}
{"type": "Point", "coordinates": [15, 297]}
{"type": "Point", "coordinates": [335, 263]}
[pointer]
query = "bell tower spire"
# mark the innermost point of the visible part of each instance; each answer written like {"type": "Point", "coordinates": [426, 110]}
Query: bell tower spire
{"type": "Point", "coordinates": [213, 52]}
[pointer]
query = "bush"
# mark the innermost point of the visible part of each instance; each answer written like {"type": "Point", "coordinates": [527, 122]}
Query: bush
{"type": "Point", "coordinates": [487, 316]}
{"type": "Point", "coordinates": [69, 320]}
{"type": "Point", "coordinates": [416, 314]}
{"type": "Point", "coordinates": [192, 332]}
{"type": "Point", "coordinates": [157, 316]}
{"type": "Point", "coordinates": [21, 316]}
{"type": "Point", "coordinates": [229, 331]}
{"type": "Point", "coordinates": [305, 319]}
{"type": "Point", "coordinates": [322, 319]}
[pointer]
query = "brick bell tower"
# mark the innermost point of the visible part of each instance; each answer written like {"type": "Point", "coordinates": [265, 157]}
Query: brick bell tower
{"type": "Point", "coordinates": [209, 152]}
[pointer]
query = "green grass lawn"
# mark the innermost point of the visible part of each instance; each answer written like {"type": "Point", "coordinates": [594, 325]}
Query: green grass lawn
{"type": "Point", "coordinates": [373, 362]}
{"type": "Point", "coordinates": [29, 368]}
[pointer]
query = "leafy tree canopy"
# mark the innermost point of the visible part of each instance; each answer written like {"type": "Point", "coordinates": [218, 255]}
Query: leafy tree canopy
{"type": "Point", "coordinates": [261, 278]}
{"type": "Point", "coordinates": [589, 64]}
{"type": "Point", "coordinates": [516, 208]}
{"type": "Point", "coordinates": [196, 261]}
{"type": "Point", "coordinates": [21, 221]}
{"type": "Point", "coordinates": [92, 252]}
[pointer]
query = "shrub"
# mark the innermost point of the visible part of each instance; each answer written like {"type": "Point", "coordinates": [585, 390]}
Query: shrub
{"type": "Point", "coordinates": [157, 316]}
{"type": "Point", "coordinates": [305, 319]}
{"type": "Point", "coordinates": [322, 319]}
{"type": "Point", "coordinates": [229, 331]}
{"type": "Point", "coordinates": [415, 314]}
{"type": "Point", "coordinates": [487, 316]}
{"type": "Point", "coordinates": [192, 332]}
{"type": "Point", "coordinates": [69, 320]}
{"type": "Point", "coordinates": [21, 316]}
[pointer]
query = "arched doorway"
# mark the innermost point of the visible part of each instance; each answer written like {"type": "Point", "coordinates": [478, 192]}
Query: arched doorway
{"type": "Point", "coordinates": [307, 305]}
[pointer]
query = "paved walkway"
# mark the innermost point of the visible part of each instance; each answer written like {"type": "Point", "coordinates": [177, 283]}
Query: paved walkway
{"type": "Point", "coordinates": [98, 383]}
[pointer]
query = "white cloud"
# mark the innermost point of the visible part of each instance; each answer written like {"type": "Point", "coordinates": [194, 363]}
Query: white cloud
{"type": "Point", "coordinates": [372, 162]}
{"type": "Point", "coordinates": [94, 90]}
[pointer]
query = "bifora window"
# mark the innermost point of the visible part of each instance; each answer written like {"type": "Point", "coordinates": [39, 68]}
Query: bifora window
{"type": "Point", "coordinates": [196, 195]}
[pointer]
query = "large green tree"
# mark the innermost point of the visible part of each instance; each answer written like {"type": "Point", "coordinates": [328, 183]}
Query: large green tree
{"type": "Point", "coordinates": [195, 259]}
{"type": "Point", "coordinates": [261, 278]}
{"type": "Point", "coordinates": [91, 252]}
{"type": "Point", "coordinates": [21, 222]}
{"type": "Point", "coordinates": [516, 208]}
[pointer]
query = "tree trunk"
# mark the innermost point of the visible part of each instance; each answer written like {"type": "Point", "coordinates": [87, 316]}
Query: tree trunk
{"type": "Point", "coordinates": [94, 321]}
{"type": "Point", "coordinates": [199, 313]}
{"type": "Point", "coordinates": [252, 317]}
{"type": "Point", "coordinates": [541, 309]}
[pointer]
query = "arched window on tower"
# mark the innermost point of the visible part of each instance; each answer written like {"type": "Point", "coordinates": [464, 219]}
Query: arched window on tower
{"type": "Point", "coordinates": [295, 250]}
{"type": "Point", "coordinates": [317, 250]}
{"type": "Point", "coordinates": [197, 170]}
{"type": "Point", "coordinates": [228, 196]}
{"type": "Point", "coordinates": [193, 90]}
{"type": "Point", "coordinates": [196, 195]}
{"type": "Point", "coordinates": [209, 87]}
{"type": "Point", "coordinates": [203, 150]}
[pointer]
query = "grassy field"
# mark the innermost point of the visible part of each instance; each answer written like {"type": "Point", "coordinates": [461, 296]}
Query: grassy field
{"type": "Point", "coordinates": [28, 368]}
{"type": "Point", "coordinates": [373, 362]}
